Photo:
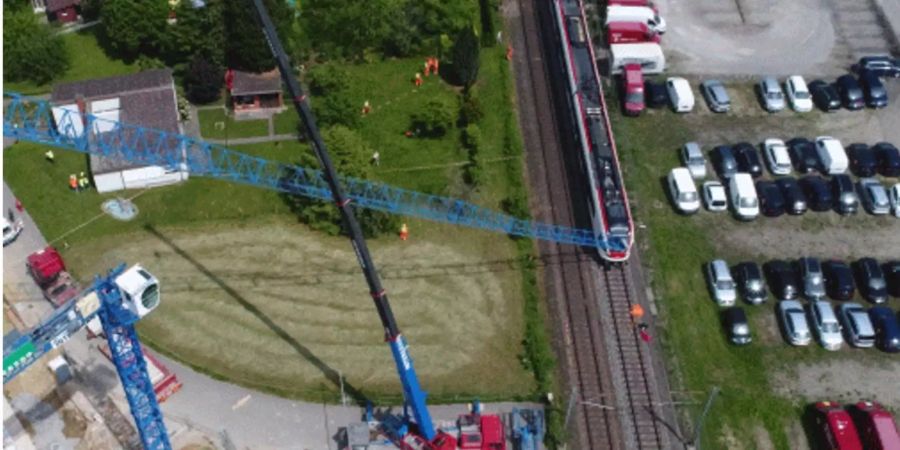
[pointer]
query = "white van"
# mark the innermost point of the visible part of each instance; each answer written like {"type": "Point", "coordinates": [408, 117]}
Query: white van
{"type": "Point", "coordinates": [743, 196]}
{"type": "Point", "coordinates": [648, 54]}
{"type": "Point", "coordinates": [680, 95]}
{"type": "Point", "coordinates": [683, 191]}
{"type": "Point", "coordinates": [640, 14]}
{"type": "Point", "coordinates": [832, 155]}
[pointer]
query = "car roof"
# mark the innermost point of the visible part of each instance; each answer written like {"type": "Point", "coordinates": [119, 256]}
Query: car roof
{"type": "Point", "coordinates": [797, 81]}
{"type": "Point", "coordinates": [693, 147]}
{"type": "Point", "coordinates": [719, 265]}
{"type": "Point", "coordinates": [735, 314]}
{"type": "Point", "coordinates": [861, 318]}
{"type": "Point", "coordinates": [825, 310]}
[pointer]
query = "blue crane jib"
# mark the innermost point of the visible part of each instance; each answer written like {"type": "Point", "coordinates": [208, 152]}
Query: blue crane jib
{"type": "Point", "coordinates": [38, 121]}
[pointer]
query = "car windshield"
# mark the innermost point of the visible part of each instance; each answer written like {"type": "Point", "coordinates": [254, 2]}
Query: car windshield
{"type": "Point", "coordinates": [688, 196]}
{"type": "Point", "coordinates": [718, 202]}
{"type": "Point", "coordinates": [830, 327]}
{"type": "Point", "coordinates": [58, 290]}
{"type": "Point", "coordinates": [741, 329]}
{"type": "Point", "coordinates": [724, 284]}
{"type": "Point", "coordinates": [801, 95]}
{"type": "Point", "coordinates": [876, 283]}
{"type": "Point", "coordinates": [634, 97]}
{"type": "Point", "coordinates": [748, 202]}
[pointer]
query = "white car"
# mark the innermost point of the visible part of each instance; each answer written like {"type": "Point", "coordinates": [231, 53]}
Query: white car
{"type": "Point", "coordinates": [793, 320]}
{"type": "Point", "coordinates": [714, 196]}
{"type": "Point", "coordinates": [894, 196]}
{"type": "Point", "coordinates": [826, 325]}
{"type": "Point", "coordinates": [798, 94]}
{"type": "Point", "coordinates": [680, 94]}
{"type": "Point", "coordinates": [10, 231]}
{"type": "Point", "coordinates": [721, 284]}
{"type": "Point", "coordinates": [777, 157]}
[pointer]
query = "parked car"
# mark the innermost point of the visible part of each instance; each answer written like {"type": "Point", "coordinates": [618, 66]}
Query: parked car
{"type": "Point", "coordinates": [813, 278]}
{"type": "Point", "coordinates": [845, 199]}
{"type": "Point", "coordinates": [777, 157]}
{"type": "Point", "coordinates": [817, 192]}
{"type": "Point", "coordinates": [683, 191]}
{"type": "Point", "coordinates": [793, 322]}
{"type": "Point", "coordinates": [11, 231]}
{"type": "Point", "coordinates": [724, 162]}
{"type": "Point", "coordinates": [721, 284]}
{"type": "Point", "coordinates": [783, 279]}
{"type": "Point", "coordinates": [750, 282]}
{"type": "Point", "coordinates": [798, 94]}
{"type": "Point", "coordinates": [804, 155]}
{"type": "Point", "coordinates": [832, 156]}
{"type": "Point", "coordinates": [856, 325]}
{"type": "Point", "coordinates": [771, 203]}
{"type": "Point", "coordinates": [876, 426]}
{"type": "Point", "coordinates": [657, 97]}
{"type": "Point", "coordinates": [870, 279]}
{"type": "Point", "coordinates": [794, 200]}
{"type": "Point", "coordinates": [834, 428]}
{"type": "Point", "coordinates": [883, 66]}
{"type": "Point", "coordinates": [825, 96]}
{"type": "Point", "coordinates": [891, 270]}
{"type": "Point", "coordinates": [826, 325]}
{"type": "Point", "coordinates": [894, 198]}
{"type": "Point", "coordinates": [716, 96]}
{"type": "Point", "coordinates": [714, 196]}
{"type": "Point", "coordinates": [743, 196]}
{"type": "Point", "coordinates": [747, 159]}
{"type": "Point", "coordinates": [888, 159]}
{"type": "Point", "coordinates": [852, 95]}
{"type": "Point", "coordinates": [770, 94]}
{"type": "Point", "coordinates": [737, 326]}
{"type": "Point", "coordinates": [887, 330]}
{"type": "Point", "coordinates": [862, 160]}
{"type": "Point", "coordinates": [838, 280]}
{"type": "Point", "coordinates": [692, 158]}
{"type": "Point", "coordinates": [875, 93]}
{"type": "Point", "coordinates": [874, 196]}
{"type": "Point", "coordinates": [680, 96]}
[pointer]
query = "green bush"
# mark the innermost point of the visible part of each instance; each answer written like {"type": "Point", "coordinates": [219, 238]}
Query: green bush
{"type": "Point", "coordinates": [327, 79]}
{"type": "Point", "coordinates": [471, 138]}
{"type": "Point", "coordinates": [30, 50]}
{"type": "Point", "coordinates": [435, 118]}
{"type": "Point", "coordinates": [336, 108]}
{"type": "Point", "coordinates": [470, 110]}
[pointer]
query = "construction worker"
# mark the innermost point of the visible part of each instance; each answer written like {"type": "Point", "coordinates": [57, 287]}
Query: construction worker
{"type": "Point", "coordinates": [19, 206]}
{"type": "Point", "coordinates": [404, 232]}
{"type": "Point", "coordinates": [645, 336]}
{"type": "Point", "coordinates": [49, 155]}
{"type": "Point", "coordinates": [427, 66]}
{"type": "Point", "coordinates": [418, 79]}
{"type": "Point", "coordinates": [376, 158]}
{"type": "Point", "coordinates": [408, 133]}
{"type": "Point", "coordinates": [509, 52]}
{"type": "Point", "coordinates": [84, 182]}
{"type": "Point", "coordinates": [73, 182]}
{"type": "Point", "coordinates": [637, 312]}
{"type": "Point", "coordinates": [435, 65]}
{"type": "Point", "coordinates": [366, 108]}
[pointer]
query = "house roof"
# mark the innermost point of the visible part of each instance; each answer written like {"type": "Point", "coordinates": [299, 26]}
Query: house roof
{"type": "Point", "coordinates": [146, 99]}
{"type": "Point", "coordinates": [56, 5]}
{"type": "Point", "coordinates": [249, 83]}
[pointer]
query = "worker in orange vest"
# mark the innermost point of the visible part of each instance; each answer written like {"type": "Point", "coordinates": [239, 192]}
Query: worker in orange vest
{"type": "Point", "coordinates": [418, 79]}
{"type": "Point", "coordinates": [509, 52]}
{"type": "Point", "coordinates": [73, 182]}
{"type": "Point", "coordinates": [637, 312]}
{"type": "Point", "coordinates": [366, 108]}
{"type": "Point", "coordinates": [435, 65]}
{"type": "Point", "coordinates": [404, 232]}
{"type": "Point", "coordinates": [427, 66]}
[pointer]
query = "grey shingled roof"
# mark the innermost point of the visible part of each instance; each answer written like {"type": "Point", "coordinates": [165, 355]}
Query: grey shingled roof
{"type": "Point", "coordinates": [249, 83]}
{"type": "Point", "coordinates": [146, 99]}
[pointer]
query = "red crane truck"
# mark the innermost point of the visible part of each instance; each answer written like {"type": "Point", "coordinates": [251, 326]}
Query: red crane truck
{"type": "Point", "coordinates": [49, 272]}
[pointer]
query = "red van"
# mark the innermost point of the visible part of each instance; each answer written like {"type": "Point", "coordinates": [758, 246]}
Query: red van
{"type": "Point", "coordinates": [877, 427]}
{"type": "Point", "coordinates": [836, 427]}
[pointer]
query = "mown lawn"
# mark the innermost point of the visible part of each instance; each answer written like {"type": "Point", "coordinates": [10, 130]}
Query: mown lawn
{"type": "Point", "coordinates": [88, 61]}
{"type": "Point", "coordinates": [216, 124]}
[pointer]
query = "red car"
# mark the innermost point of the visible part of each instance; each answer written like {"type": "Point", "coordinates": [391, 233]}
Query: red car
{"type": "Point", "coordinates": [877, 427]}
{"type": "Point", "coordinates": [835, 427]}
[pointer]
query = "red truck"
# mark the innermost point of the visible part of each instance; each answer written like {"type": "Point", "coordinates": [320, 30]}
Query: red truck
{"type": "Point", "coordinates": [630, 33]}
{"type": "Point", "coordinates": [165, 383]}
{"type": "Point", "coordinates": [633, 85]}
{"type": "Point", "coordinates": [49, 272]}
{"type": "Point", "coordinates": [835, 427]}
{"type": "Point", "coordinates": [645, 3]}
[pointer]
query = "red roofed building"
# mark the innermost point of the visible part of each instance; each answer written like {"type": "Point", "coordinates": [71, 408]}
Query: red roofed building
{"type": "Point", "coordinates": [63, 11]}
{"type": "Point", "coordinates": [254, 91]}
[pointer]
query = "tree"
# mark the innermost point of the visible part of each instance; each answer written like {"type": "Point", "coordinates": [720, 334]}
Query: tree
{"type": "Point", "coordinates": [30, 50]}
{"type": "Point", "coordinates": [435, 118]}
{"type": "Point", "coordinates": [203, 80]}
{"type": "Point", "coordinates": [198, 31]}
{"type": "Point", "coordinates": [327, 78]}
{"type": "Point", "coordinates": [348, 28]}
{"type": "Point", "coordinates": [336, 108]}
{"type": "Point", "coordinates": [133, 27]}
{"type": "Point", "coordinates": [245, 44]}
{"type": "Point", "coordinates": [466, 52]}
{"type": "Point", "coordinates": [470, 110]}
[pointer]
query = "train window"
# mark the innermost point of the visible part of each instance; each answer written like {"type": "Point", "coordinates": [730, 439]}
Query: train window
{"type": "Point", "coordinates": [576, 31]}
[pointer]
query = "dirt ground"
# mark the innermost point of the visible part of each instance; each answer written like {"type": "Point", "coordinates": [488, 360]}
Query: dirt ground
{"type": "Point", "coordinates": [276, 306]}
{"type": "Point", "coordinates": [843, 380]}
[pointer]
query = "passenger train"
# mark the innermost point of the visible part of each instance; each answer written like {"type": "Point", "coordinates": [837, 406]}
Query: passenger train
{"type": "Point", "coordinates": [610, 213]}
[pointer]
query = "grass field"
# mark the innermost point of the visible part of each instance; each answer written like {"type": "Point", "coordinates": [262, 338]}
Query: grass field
{"type": "Point", "coordinates": [231, 128]}
{"type": "Point", "coordinates": [88, 61]}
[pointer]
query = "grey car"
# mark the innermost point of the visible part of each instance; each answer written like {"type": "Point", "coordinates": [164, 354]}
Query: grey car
{"type": "Point", "coordinates": [692, 157]}
{"type": "Point", "coordinates": [771, 95]}
{"type": "Point", "coordinates": [716, 96]}
{"type": "Point", "coordinates": [874, 196]}
{"type": "Point", "coordinates": [813, 279]}
{"type": "Point", "coordinates": [857, 325]}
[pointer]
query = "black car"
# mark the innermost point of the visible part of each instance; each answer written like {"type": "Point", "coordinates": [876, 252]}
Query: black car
{"type": "Point", "coordinates": [870, 279]}
{"type": "Point", "coordinates": [876, 94]}
{"type": "Point", "coordinates": [883, 66]}
{"type": "Point", "coordinates": [750, 282]}
{"type": "Point", "coordinates": [783, 279]}
{"type": "Point", "coordinates": [748, 159]}
{"type": "Point", "coordinates": [888, 159]}
{"type": "Point", "coordinates": [838, 280]}
{"type": "Point", "coordinates": [887, 330]}
{"type": "Point", "coordinates": [736, 325]}
{"type": "Point", "coordinates": [794, 200]}
{"type": "Point", "coordinates": [724, 162]}
{"type": "Point", "coordinates": [803, 155]}
{"type": "Point", "coordinates": [771, 202]}
{"type": "Point", "coordinates": [851, 94]}
{"type": "Point", "coordinates": [656, 94]}
{"type": "Point", "coordinates": [891, 271]}
{"type": "Point", "coordinates": [846, 201]}
{"type": "Point", "coordinates": [817, 192]}
{"type": "Point", "coordinates": [825, 96]}
{"type": "Point", "coordinates": [863, 162]}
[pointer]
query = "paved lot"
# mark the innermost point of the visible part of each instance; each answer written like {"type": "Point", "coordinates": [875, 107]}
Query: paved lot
{"type": "Point", "coordinates": [780, 37]}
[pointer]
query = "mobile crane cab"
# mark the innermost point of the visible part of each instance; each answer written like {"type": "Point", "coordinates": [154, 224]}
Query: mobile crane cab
{"type": "Point", "coordinates": [139, 289]}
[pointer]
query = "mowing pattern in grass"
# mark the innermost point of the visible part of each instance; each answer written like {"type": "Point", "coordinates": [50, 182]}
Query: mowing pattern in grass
{"type": "Point", "coordinates": [229, 128]}
{"type": "Point", "coordinates": [88, 61]}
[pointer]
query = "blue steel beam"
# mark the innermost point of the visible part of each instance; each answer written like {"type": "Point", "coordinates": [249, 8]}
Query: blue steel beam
{"type": "Point", "coordinates": [32, 120]}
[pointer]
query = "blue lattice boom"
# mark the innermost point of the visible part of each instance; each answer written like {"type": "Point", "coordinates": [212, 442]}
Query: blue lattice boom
{"type": "Point", "coordinates": [33, 120]}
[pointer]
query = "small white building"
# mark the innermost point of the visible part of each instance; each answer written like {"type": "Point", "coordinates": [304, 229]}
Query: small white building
{"type": "Point", "coordinates": [145, 99]}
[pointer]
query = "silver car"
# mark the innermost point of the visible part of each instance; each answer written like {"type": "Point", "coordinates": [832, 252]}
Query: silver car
{"type": "Point", "coordinates": [793, 320]}
{"type": "Point", "coordinates": [693, 159]}
{"type": "Point", "coordinates": [721, 284]}
{"type": "Point", "coordinates": [813, 280]}
{"type": "Point", "coordinates": [874, 196]}
{"type": "Point", "coordinates": [826, 325]}
{"type": "Point", "coordinates": [716, 96]}
{"type": "Point", "coordinates": [771, 95]}
{"type": "Point", "coordinates": [857, 325]}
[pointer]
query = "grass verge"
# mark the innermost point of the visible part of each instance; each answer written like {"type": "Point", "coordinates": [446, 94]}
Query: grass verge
{"type": "Point", "coordinates": [216, 124]}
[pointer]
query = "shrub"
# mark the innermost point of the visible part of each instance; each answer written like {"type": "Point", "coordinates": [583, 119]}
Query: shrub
{"type": "Point", "coordinates": [435, 118]}
{"type": "Point", "coordinates": [327, 79]}
{"type": "Point", "coordinates": [203, 81]}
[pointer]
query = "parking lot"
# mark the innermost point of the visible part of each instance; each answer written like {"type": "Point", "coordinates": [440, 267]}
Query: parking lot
{"type": "Point", "coordinates": [779, 37]}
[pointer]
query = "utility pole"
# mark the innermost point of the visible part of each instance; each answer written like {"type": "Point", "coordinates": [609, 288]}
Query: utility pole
{"type": "Point", "coordinates": [343, 396]}
{"type": "Point", "coordinates": [695, 442]}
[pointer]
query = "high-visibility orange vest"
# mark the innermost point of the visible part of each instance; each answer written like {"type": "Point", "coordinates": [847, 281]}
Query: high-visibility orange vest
{"type": "Point", "coordinates": [73, 182]}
